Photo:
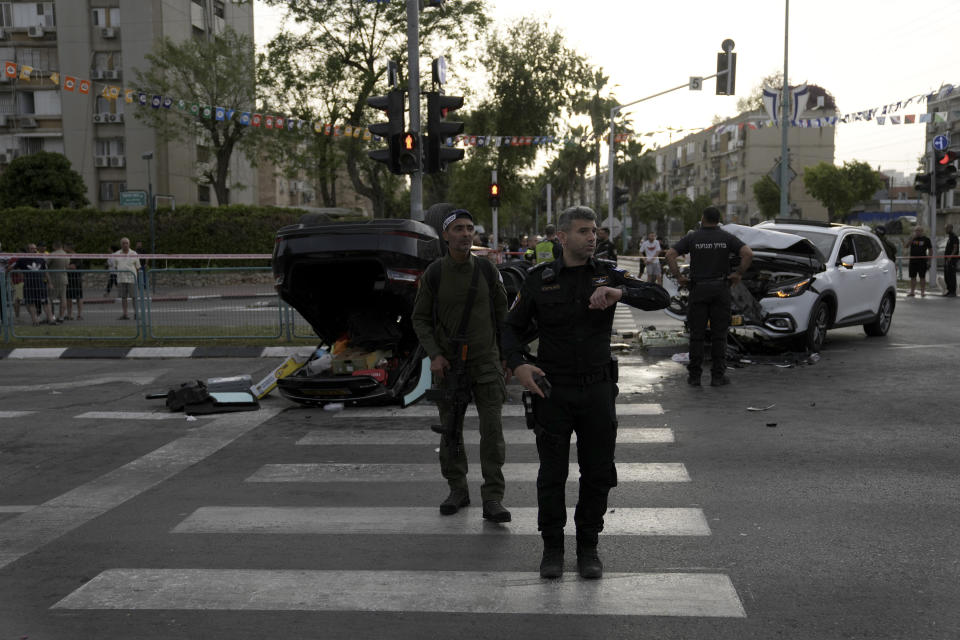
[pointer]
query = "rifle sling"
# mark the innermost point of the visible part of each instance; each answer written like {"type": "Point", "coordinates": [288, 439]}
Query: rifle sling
{"type": "Point", "coordinates": [468, 307]}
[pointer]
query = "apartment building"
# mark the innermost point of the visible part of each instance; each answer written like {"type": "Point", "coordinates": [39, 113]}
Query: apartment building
{"type": "Point", "coordinates": [103, 41]}
{"type": "Point", "coordinates": [726, 160]}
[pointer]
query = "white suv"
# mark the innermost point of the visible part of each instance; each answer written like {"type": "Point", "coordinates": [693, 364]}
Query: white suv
{"type": "Point", "coordinates": [808, 277]}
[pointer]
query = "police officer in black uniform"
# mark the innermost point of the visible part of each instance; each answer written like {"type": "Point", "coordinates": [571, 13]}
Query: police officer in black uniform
{"type": "Point", "coordinates": [569, 303]}
{"type": "Point", "coordinates": [605, 249]}
{"type": "Point", "coordinates": [710, 250]}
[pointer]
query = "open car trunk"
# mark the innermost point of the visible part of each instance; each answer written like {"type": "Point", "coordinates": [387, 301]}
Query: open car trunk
{"type": "Point", "coordinates": [355, 283]}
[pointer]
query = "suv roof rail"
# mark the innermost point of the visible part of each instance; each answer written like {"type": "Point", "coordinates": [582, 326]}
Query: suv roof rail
{"type": "Point", "coordinates": [811, 223]}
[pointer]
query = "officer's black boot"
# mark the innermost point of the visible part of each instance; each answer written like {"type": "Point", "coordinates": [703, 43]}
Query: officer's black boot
{"type": "Point", "coordinates": [457, 498]}
{"type": "Point", "coordinates": [494, 511]}
{"type": "Point", "coordinates": [551, 566]}
{"type": "Point", "coordinates": [588, 562]}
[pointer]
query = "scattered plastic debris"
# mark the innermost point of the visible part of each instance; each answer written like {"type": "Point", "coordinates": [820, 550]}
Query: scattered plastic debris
{"type": "Point", "coordinates": [760, 408]}
{"type": "Point", "coordinates": [333, 406]}
{"type": "Point", "coordinates": [771, 424]}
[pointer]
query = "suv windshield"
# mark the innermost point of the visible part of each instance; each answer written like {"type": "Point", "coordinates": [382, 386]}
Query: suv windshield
{"type": "Point", "coordinates": [822, 241]}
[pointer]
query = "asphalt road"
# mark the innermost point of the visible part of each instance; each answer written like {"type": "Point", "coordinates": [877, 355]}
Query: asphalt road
{"type": "Point", "coordinates": [832, 513]}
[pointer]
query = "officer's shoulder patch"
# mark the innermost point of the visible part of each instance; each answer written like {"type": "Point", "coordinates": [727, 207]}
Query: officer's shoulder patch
{"type": "Point", "coordinates": [626, 274]}
{"type": "Point", "coordinates": [600, 280]}
{"type": "Point", "coordinates": [516, 301]}
{"type": "Point", "coordinates": [550, 287]}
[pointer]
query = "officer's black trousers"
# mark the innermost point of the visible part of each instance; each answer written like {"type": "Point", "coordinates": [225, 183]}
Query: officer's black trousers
{"type": "Point", "coordinates": [950, 275]}
{"type": "Point", "coordinates": [709, 301]}
{"type": "Point", "coordinates": [589, 411]}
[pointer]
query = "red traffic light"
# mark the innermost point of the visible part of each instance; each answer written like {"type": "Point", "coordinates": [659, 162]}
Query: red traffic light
{"type": "Point", "coordinates": [948, 156]}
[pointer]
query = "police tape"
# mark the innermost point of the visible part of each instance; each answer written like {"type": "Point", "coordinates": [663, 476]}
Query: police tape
{"type": "Point", "coordinates": [140, 256]}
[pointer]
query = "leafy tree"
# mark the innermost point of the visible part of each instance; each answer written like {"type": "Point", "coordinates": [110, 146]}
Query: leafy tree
{"type": "Point", "coordinates": [767, 194]}
{"type": "Point", "coordinates": [42, 177]}
{"type": "Point", "coordinates": [597, 107]}
{"type": "Point", "coordinates": [839, 188]}
{"type": "Point", "coordinates": [333, 60]}
{"type": "Point", "coordinates": [206, 72]}
{"type": "Point", "coordinates": [650, 207]}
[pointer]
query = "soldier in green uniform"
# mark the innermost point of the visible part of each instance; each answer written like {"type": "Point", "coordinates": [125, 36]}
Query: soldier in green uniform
{"type": "Point", "coordinates": [437, 315]}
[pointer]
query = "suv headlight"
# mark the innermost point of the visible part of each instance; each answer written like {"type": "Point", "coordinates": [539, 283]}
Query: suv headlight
{"type": "Point", "coordinates": [790, 289]}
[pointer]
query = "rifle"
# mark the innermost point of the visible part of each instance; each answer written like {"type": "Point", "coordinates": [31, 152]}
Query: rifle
{"type": "Point", "coordinates": [454, 392]}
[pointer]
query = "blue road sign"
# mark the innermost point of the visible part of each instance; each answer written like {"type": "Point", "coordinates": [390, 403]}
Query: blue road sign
{"type": "Point", "coordinates": [940, 143]}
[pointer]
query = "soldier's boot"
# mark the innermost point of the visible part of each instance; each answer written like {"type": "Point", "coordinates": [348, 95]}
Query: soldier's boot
{"type": "Point", "coordinates": [494, 511]}
{"type": "Point", "coordinates": [458, 498]}
{"type": "Point", "coordinates": [551, 565]}
{"type": "Point", "coordinates": [588, 562]}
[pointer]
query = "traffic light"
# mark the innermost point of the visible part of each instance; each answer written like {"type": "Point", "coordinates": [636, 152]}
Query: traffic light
{"type": "Point", "coordinates": [408, 159]}
{"type": "Point", "coordinates": [946, 171]}
{"type": "Point", "coordinates": [391, 130]}
{"type": "Point", "coordinates": [726, 73]}
{"type": "Point", "coordinates": [438, 155]}
{"type": "Point", "coordinates": [922, 183]}
{"type": "Point", "coordinates": [621, 195]}
{"type": "Point", "coordinates": [494, 194]}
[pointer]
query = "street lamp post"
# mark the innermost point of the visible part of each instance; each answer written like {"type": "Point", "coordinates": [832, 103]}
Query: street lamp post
{"type": "Point", "coordinates": [148, 156]}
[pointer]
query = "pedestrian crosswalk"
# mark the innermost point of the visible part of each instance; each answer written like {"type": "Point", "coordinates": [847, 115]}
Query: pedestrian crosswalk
{"type": "Point", "coordinates": [363, 433]}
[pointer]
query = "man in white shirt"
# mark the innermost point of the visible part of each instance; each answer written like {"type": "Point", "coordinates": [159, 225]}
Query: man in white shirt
{"type": "Point", "coordinates": [127, 264]}
{"type": "Point", "coordinates": [650, 249]}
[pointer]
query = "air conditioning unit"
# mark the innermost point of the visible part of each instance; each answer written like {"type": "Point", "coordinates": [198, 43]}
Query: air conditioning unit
{"type": "Point", "coordinates": [111, 74]}
{"type": "Point", "coordinates": [108, 32]}
{"type": "Point", "coordinates": [99, 117]}
{"type": "Point", "coordinates": [114, 117]}
{"type": "Point", "coordinates": [28, 123]}
{"type": "Point", "coordinates": [35, 31]}
{"type": "Point", "coordinates": [117, 161]}
{"type": "Point", "coordinates": [101, 161]}
{"type": "Point", "coordinates": [96, 74]}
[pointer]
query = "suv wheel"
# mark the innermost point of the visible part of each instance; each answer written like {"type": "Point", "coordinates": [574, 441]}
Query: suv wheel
{"type": "Point", "coordinates": [881, 324]}
{"type": "Point", "coordinates": [817, 327]}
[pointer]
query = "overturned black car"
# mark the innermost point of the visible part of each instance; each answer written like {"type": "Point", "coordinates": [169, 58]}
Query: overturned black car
{"type": "Point", "coordinates": [355, 283]}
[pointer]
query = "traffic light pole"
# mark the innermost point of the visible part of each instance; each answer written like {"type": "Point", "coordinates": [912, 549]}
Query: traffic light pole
{"type": "Point", "coordinates": [933, 217]}
{"type": "Point", "coordinates": [494, 215]}
{"type": "Point", "coordinates": [413, 90]}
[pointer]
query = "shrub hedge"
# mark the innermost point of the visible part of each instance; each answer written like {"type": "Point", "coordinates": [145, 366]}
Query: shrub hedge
{"type": "Point", "coordinates": [188, 229]}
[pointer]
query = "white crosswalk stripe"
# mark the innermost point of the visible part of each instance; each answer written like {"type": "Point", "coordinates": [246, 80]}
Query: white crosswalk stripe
{"type": "Point", "coordinates": [509, 411]}
{"type": "Point", "coordinates": [512, 472]}
{"type": "Point", "coordinates": [618, 594]}
{"type": "Point", "coordinates": [427, 437]}
{"type": "Point", "coordinates": [694, 593]}
{"type": "Point", "coordinates": [424, 520]}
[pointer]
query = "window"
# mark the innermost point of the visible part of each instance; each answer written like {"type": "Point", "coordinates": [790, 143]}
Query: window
{"type": "Point", "coordinates": [6, 15]}
{"type": "Point", "coordinates": [846, 247]}
{"type": "Point", "coordinates": [30, 145]}
{"type": "Point", "coordinates": [110, 147]}
{"type": "Point", "coordinates": [203, 193]}
{"type": "Point", "coordinates": [25, 103]}
{"type": "Point", "coordinates": [41, 59]}
{"type": "Point", "coordinates": [45, 14]}
{"type": "Point", "coordinates": [108, 191]}
{"type": "Point", "coordinates": [219, 9]}
{"type": "Point", "coordinates": [105, 16]}
{"type": "Point", "coordinates": [868, 249]}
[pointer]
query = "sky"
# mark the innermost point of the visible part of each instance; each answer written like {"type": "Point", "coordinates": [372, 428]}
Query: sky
{"type": "Point", "coordinates": [866, 54]}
